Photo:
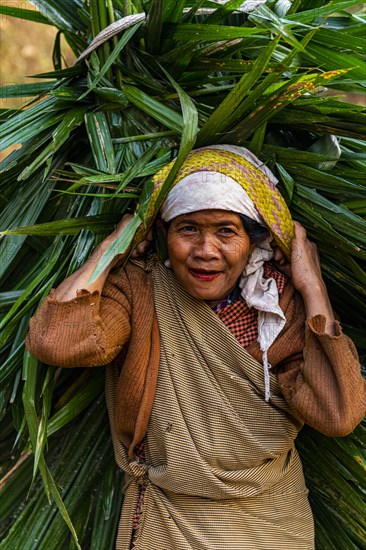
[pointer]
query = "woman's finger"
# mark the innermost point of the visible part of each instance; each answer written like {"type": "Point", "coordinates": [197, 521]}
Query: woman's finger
{"type": "Point", "coordinates": [142, 248]}
{"type": "Point", "coordinates": [281, 262]}
{"type": "Point", "coordinates": [300, 230]}
{"type": "Point", "coordinates": [278, 255]}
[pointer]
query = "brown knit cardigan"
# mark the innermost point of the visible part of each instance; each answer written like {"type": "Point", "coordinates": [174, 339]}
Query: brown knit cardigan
{"type": "Point", "coordinates": [319, 375]}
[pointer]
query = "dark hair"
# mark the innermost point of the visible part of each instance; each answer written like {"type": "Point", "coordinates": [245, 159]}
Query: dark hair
{"type": "Point", "coordinates": [256, 232]}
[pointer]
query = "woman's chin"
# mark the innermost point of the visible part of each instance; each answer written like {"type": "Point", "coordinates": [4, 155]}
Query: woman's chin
{"type": "Point", "coordinates": [206, 286]}
{"type": "Point", "coordinates": [204, 292]}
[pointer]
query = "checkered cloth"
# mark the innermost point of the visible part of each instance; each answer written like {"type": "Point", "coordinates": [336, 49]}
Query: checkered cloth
{"type": "Point", "coordinates": [241, 320]}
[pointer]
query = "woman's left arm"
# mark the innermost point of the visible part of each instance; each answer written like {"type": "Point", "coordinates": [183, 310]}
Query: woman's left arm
{"type": "Point", "coordinates": [324, 385]}
{"type": "Point", "coordinates": [305, 274]}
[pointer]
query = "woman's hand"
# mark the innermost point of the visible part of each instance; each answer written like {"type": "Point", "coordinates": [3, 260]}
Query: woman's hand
{"type": "Point", "coordinates": [305, 273]}
{"type": "Point", "coordinates": [304, 268]}
{"type": "Point", "coordinates": [144, 246]}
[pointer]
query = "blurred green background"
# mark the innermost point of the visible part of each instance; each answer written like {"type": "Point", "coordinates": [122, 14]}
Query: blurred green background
{"type": "Point", "coordinates": [25, 49]}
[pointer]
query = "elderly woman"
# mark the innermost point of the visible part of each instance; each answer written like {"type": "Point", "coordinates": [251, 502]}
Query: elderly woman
{"type": "Point", "coordinates": [217, 353]}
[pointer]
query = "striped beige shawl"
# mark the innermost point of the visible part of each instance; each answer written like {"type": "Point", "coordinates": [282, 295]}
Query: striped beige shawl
{"type": "Point", "coordinates": [221, 468]}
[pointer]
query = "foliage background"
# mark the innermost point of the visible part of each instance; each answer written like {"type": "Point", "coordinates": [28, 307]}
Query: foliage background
{"type": "Point", "coordinates": [25, 50]}
{"type": "Point", "coordinates": [45, 411]}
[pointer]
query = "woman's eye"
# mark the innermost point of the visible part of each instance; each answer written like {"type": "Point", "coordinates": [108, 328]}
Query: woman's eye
{"type": "Point", "coordinates": [226, 231]}
{"type": "Point", "coordinates": [188, 228]}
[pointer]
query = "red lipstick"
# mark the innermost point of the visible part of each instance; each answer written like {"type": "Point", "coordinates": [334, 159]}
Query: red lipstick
{"type": "Point", "coordinates": [204, 274]}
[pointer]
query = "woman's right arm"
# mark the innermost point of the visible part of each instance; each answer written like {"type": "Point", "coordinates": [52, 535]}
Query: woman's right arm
{"type": "Point", "coordinates": [82, 324]}
{"type": "Point", "coordinates": [80, 279]}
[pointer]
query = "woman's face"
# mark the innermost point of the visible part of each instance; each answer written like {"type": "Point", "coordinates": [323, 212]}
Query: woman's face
{"type": "Point", "coordinates": [208, 251]}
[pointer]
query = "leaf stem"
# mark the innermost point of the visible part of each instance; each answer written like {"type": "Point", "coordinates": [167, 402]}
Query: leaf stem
{"type": "Point", "coordinates": [103, 21]}
{"type": "Point", "coordinates": [127, 7]}
{"type": "Point", "coordinates": [112, 19]}
{"type": "Point", "coordinates": [94, 16]}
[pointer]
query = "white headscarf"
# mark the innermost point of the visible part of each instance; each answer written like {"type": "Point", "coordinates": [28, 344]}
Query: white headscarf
{"type": "Point", "coordinates": [213, 190]}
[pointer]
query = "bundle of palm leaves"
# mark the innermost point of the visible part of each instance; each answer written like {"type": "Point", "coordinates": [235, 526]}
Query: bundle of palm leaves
{"type": "Point", "coordinates": [153, 80]}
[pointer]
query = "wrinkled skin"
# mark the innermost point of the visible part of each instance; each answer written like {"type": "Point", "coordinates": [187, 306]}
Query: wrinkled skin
{"type": "Point", "coordinates": [208, 251]}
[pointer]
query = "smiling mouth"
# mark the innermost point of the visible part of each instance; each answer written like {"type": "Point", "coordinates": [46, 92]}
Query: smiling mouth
{"type": "Point", "coordinates": [204, 274]}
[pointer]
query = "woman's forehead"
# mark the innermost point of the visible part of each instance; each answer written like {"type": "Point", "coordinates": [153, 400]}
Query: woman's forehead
{"type": "Point", "coordinates": [209, 216]}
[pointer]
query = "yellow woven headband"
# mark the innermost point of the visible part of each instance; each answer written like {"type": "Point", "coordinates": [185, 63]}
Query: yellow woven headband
{"type": "Point", "coordinates": [266, 198]}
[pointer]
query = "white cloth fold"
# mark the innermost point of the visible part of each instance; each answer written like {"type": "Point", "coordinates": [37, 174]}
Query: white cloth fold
{"type": "Point", "coordinates": [262, 294]}
{"type": "Point", "coordinates": [208, 191]}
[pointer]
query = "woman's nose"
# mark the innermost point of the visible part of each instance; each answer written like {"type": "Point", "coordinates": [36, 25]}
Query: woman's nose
{"type": "Point", "coordinates": [206, 247]}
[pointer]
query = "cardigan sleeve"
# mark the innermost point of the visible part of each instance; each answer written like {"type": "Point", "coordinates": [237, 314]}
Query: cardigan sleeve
{"type": "Point", "coordinates": [322, 383]}
{"type": "Point", "coordinates": [87, 331]}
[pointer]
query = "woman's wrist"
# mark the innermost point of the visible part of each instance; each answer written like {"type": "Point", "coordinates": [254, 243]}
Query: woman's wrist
{"type": "Point", "coordinates": [316, 301]}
